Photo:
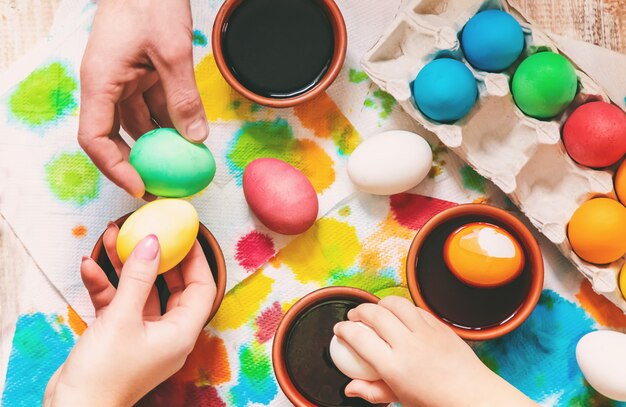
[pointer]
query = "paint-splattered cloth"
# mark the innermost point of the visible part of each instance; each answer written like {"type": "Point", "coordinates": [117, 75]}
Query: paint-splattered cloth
{"type": "Point", "coordinates": [58, 203]}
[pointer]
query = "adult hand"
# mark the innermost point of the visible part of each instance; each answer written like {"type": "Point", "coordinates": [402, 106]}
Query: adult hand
{"type": "Point", "coordinates": [421, 361]}
{"type": "Point", "coordinates": [137, 71]}
{"type": "Point", "coordinates": [131, 348]}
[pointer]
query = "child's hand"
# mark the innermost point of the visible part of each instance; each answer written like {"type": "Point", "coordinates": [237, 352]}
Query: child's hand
{"type": "Point", "coordinates": [422, 362]}
{"type": "Point", "coordinates": [138, 66]}
{"type": "Point", "coordinates": [131, 348]}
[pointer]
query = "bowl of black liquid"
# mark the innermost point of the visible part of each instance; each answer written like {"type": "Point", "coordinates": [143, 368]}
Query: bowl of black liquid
{"type": "Point", "coordinates": [474, 313]}
{"type": "Point", "coordinates": [300, 352]}
{"type": "Point", "coordinates": [210, 247]}
{"type": "Point", "coordinates": [279, 53]}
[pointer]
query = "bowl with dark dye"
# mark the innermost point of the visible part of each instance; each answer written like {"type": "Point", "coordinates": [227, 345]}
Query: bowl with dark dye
{"type": "Point", "coordinates": [474, 313]}
{"type": "Point", "coordinates": [279, 53]}
{"type": "Point", "coordinates": [300, 352]}
{"type": "Point", "coordinates": [210, 247]}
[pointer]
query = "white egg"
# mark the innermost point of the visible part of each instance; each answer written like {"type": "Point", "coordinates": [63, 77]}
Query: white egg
{"type": "Point", "coordinates": [601, 356]}
{"type": "Point", "coordinates": [390, 162]}
{"type": "Point", "coordinates": [349, 362]}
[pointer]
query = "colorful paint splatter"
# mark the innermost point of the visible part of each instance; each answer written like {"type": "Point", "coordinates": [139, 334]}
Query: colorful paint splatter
{"type": "Point", "coordinates": [73, 177]}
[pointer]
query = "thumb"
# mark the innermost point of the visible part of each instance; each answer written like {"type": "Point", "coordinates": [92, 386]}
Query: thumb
{"type": "Point", "coordinates": [182, 97]}
{"type": "Point", "coordinates": [137, 276]}
{"type": "Point", "coordinates": [374, 392]}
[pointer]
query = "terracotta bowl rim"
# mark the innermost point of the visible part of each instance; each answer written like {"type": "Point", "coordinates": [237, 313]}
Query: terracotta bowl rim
{"type": "Point", "coordinates": [303, 304]}
{"type": "Point", "coordinates": [220, 284]}
{"type": "Point", "coordinates": [341, 45]}
{"type": "Point", "coordinates": [527, 241]}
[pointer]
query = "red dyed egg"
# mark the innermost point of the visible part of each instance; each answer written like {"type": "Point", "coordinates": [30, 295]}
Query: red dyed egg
{"type": "Point", "coordinates": [595, 134]}
{"type": "Point", "coordinates": [280, 196]}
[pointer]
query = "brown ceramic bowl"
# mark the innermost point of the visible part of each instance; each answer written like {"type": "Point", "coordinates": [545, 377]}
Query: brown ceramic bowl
{"type": "Point", "coordinates": [299, 308]}
{"type": "Point", "coordinates": [341, 45]}
{"type": "Point", "coordinates": [484, 213]}
{"type": "Point", "coordinates": [211, 249]}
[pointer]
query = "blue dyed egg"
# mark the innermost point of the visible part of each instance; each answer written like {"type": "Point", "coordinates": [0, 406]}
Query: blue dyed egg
{"type": "Point", "coordinates": [445, 90]}
{"type": "Point", "coordinates": [492, 40]}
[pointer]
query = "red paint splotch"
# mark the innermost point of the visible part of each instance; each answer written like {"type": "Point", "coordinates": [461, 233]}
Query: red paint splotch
{"type": "Point", "coordinates": [171, 393]}
{"type": "Point", "coordinates": [268, 321]}
{"type": "Point", "coordinates": [253, 250]}
{"type": "Point", "coordinates": [413, 211]}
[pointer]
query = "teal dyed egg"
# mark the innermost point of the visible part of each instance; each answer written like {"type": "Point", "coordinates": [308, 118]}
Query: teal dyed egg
{"type": "Point", "coordinates": [170, 166]}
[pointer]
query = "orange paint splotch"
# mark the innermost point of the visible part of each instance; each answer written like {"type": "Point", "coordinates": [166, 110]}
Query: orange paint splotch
{"type": "Point", "coordinates": [207, 364]}
{"type": "Point", "coordinates": [382, 248]}
{"type": "Point", "coordinates": [75, 321]}
{"type": "Point", "coordinates": [323, 117]}
{"type": "Point", "coordinates": [79, 231]}
{"type": "Point", "coordinates": [601, 309]}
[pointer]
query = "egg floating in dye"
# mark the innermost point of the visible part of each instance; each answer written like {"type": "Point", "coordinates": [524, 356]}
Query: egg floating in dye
{"type": "Point", "coordinates": [595, 134]}
{"type": "Point", "coordinates": [544, 85]}
{"type": "Point", "coordinates": [492, 40]}
{"type": "Point", "coordinates": [601, 356]}
{"type": "Point", "coordinates": [445, 90]}
{"type": "Point", "coordinates": [596, 231]}
{"type": "Point", "coordinates": [174, 222]}
{"type": "Point", "coordinates": [171, 166]}
{"type": "Point", "coordinates": [390, 162]}
{"type": "Point", "coordinates": [349, 362]}
{"type": "Point", "coordinates": [280, 196]}
{"type": "Point", "coordinates": [620, 182]}
{"type": "Point", "coordinates": [483, 255]}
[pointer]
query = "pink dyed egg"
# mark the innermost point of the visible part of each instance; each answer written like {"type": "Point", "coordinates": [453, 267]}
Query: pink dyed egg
{"type": "Point", "coordinates": [280, 196]}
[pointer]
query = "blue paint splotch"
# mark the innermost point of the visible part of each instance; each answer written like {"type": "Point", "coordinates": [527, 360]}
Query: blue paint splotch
{"type": "Point", "coordinates": [199, 38]}
{"type": "Point", "coordinates": [256, 382]}
{"type": "Point", "coordinates": [40, 345]}
{"type": "Point", "coordinates": [539, 357]}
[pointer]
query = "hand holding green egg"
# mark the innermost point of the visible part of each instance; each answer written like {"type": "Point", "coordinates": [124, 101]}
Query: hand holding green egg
{"type": "Point", "coordinates": [171, 166]}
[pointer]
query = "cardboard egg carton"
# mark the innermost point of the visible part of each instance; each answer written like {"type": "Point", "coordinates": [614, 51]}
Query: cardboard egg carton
{"type": "Point", "coordinates": [523, 156]}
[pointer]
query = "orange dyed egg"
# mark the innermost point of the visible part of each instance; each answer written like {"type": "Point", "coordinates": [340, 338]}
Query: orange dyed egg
{"type": "Point", "coordinates": [597, 231]}
{"type": "Point", "coordinates": [484, 255]}
{"type": "Point", "coordinates": [620, 182]}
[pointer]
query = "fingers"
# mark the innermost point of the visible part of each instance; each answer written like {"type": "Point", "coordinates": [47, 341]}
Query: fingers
{"type": "Point", "coordinates": [175, 67]}
{"type": "Point", "coordinates": [152, 309]}
{"type": "Point", "coordinates": [176, 285]}
{"type": "Point", "coordinates": [365, 342]}
{"type": "Point", "coordinates": [135, 116]}
{"type": "Point", "coordinates": [383, 321]}
{"type": "Point", "coordinates": [196, 300]}
{"type": "Point", "coordinates": [374, 392]}
{"type": "Point", "coordinates": [156, 102]}
{"type": "Point", "coordinates": [137, 277]}
{"type": "Point", "coordinates": [99, 95]}
{"type": "Point", "coordinates": [405, 311]}
{"type": "Point", "coordinates": [109, 240]}
{"type": "Point", "coordinates": [100, 290]}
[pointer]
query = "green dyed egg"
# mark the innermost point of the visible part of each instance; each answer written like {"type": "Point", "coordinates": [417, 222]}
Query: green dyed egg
{"type": "Point", "coordinates": [170, 166]}
{"type": "Point", "coordinates": [544, 85]}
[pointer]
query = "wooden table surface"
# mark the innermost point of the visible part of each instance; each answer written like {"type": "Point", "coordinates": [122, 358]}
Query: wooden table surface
{"type": "Point", "coordinates": [24, 23]}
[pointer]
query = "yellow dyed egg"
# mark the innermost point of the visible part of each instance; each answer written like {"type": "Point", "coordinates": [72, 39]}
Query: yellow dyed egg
{"type": "Point", "coordinates": [622, 281]}
{"type": "Point", "coordinates": [174, 222]}
{"type": "Point", "coordinates": [484, 255]}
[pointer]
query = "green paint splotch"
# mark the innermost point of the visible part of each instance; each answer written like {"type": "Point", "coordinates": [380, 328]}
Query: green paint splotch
{"type": "Point", "coordinates": [199, 38]}
{"type": "Point", "coordinates": [357, 76]}
{"type": "Point", "coordinates": [256, 382]}
{"type": "Point", "coordinates": [73, 178]}
{"type": "Point", "coordinates": [367, 281]}
{"type": "Point", "coordinates": [46, 95]}
{"type": "Point", "coordinates": [381, 100]}
{"type": "Point", "coordinates": [275, 139]}
{"type": "Point", "coordinates": [472, 180]}
{"type": "Point", "coordinates": [41, 343]}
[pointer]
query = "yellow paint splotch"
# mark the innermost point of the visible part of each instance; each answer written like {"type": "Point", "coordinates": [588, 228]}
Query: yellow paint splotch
{"type": "Point", "coordinates": [243, 302]}
{"type": "Point", "coordinates": [328, 247]}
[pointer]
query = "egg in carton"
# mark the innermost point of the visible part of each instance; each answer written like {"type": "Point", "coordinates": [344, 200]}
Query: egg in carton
{"type": "Point", "coordinates": [523, 156]}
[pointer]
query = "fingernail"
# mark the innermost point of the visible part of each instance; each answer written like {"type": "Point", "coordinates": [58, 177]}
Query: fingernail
{"type": "Point", "coordinates": [148, 248]}
{"type": "Point", "coordinates": [350, 313]}
{"type": "Point", "coordinates": [85, 258]}
{"type": "Point", "coordinates": [198, 131]}
{"type": "Point", "coordinates": [112, 224]}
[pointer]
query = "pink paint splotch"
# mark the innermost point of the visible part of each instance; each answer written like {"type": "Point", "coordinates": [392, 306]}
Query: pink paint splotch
{"type": "Point", "coordinates": [413, 211]}
{"type": "Point", "coordinates": [268, 321]}
{"type": "Point", "coordinates": [253, 250]}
